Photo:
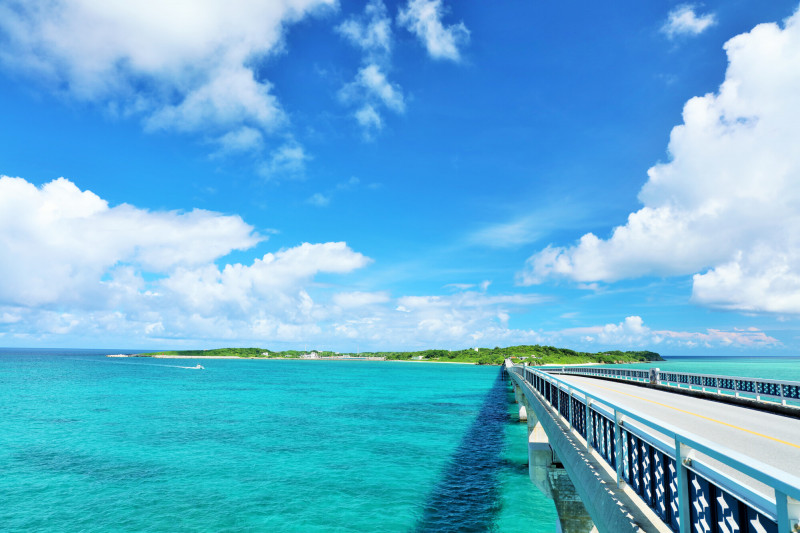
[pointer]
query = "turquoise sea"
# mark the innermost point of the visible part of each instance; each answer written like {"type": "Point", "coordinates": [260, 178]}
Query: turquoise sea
{"type": "Point", "coordinates": [783, 368]}
{"type": "Point", "coordinates": [89, 443]}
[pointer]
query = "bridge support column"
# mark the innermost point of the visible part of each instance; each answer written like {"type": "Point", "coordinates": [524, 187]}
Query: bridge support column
{"type": "Point", "coordinates": [572, 514]}
{"type": "Point", "coordinates": [550, 478]}
{"type": "Point", "coordinates": [547, 475]}
{"type": "Point", "coordinates": [540, 459]}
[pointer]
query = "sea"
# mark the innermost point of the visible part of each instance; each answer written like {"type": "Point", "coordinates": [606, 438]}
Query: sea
{"type": "Point", "coordinates": [90, 443]}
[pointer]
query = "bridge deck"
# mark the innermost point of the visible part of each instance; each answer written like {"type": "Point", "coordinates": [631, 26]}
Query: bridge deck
{"type": "Point", "coordinates": [769, 438]}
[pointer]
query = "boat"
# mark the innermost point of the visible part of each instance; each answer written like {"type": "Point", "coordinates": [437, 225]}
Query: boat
{"type": "Point", "coordinates": [198, 367]}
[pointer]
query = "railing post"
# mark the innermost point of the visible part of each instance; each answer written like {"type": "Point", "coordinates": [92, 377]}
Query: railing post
{"type": "Point", "coordinates": [589, 428]}
{"type": "Point", "coordinates": [783, 400]}
{"type": "Point", "coordinates": [618, 447]}
{"type": "Point", "coordinates": [782, 504]}
{"type": "Point", "coordinates": [682, 460]}
{"type": "Point", "coordinates": [569, 401]}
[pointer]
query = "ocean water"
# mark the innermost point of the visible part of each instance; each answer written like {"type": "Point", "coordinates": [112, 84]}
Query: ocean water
{"type": "Point", "coordinates": [783, 368]}
{"type": "Point", "coordinates": [89, 443]}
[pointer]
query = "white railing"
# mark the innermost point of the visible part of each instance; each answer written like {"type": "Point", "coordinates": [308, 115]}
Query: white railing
{"type": "Point", "coordinates": [668, 475]}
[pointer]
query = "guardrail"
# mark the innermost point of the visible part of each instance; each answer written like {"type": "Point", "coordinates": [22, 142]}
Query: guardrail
{"type": "Point", "coordinates": [756, 388]}
{"type": "Point", "coordinates": [667, 475]}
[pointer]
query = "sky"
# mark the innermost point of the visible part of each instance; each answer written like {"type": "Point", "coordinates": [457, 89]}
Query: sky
{"type": "Point", "coordinates": [381, 175]}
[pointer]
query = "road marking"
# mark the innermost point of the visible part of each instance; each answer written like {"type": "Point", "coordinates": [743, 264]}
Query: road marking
{"type": "Point", "coordinates": [700, 416]}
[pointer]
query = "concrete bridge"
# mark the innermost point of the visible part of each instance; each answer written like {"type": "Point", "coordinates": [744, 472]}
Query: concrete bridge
{"type": "Point", "coordinates": [639, 450]}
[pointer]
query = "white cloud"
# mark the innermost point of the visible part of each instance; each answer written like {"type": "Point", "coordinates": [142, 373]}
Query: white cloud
{"type": "Point", "coordinates": [57, 242]}
{"type": "Point", "coordinates": [275, 283]}
{"type": "Point", "coordinates": [369, 120]}
{"type": "Point", "coordinates": [764, 280]}
{"type": "Point", "coordinates": [242, 140]}
{"type": "Point", "coordinates": [288, 160]}
{"type": "Point", "coordinates": [359, 299]}
{"type": "Point", "coordinates": [372, 89]}
{"type": "Point", "coordinates": [684, 21]}
{"type": "Point", "coordinates": [423, 18]}
{"type": "Point", "coordinates": [460, 319]}
{"type": "Point", "coordinates": [372, 32]}
{"type": "Point", "coordinates": [632, 332]}
{"type": "Point", "coordinates": [374, 82]}
{"type": "Point", "coordinates": [73, 265]}
{"type": "Point", "coordinates": [230, 98]}
{"type": "Point", "coordinates": [319, 200]}
{"type": "Point", "coordinates": [185, 66]}
{"type": "Point", "coordinates": [724, 207]}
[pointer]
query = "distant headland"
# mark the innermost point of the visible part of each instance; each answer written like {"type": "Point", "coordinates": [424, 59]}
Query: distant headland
{"type": "Point", "coordinates": [532, 354]}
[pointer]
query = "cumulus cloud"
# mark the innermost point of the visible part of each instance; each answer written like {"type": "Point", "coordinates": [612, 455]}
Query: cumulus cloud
{"type": "Point", "coordinates": [57, 242]}
{"type": "Point", "coordinates": [185, 66]}
{"type": "Point", "coordinates": [724, 207]}
{"type": "Point", "coordinates": [73, 264]}
{"type": "Point", "coordinates": [683, 20]}
{"type": "Point", "coordinates": [424, 19]}
{"type": "Point", "coordinates": [275, 282]}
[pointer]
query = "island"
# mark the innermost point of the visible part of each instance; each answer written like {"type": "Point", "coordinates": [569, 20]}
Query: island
{"type": "Point", "coordinates": [535, 355]}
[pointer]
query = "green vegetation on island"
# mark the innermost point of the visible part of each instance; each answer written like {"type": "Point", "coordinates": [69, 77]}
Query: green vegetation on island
{"type": "Point", "coordinates": [532, 354]}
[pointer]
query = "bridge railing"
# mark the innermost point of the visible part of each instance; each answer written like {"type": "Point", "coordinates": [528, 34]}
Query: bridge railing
{"type": "Point", "coordinates": [757, 388]}
{"type": "Point", "coordinates": [667, 474]}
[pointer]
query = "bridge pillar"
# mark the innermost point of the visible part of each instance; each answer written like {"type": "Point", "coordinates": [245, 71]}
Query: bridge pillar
{"type": "Point", "coordinates": [547, 475]}
{"type": "Point", "coordinates": [540, 459]}
{"type": "Point", "coordinates": [523, 413]}
{"type": "Point", "coordinates": [572, 514]}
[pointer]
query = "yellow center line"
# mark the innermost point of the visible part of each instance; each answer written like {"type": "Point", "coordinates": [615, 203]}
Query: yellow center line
{"type": "Point", "coordinates": [700, 416]}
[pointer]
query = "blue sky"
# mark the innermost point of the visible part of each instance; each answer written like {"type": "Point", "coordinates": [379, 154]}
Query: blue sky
{"type": "Point", "coordinates": [401, 175]}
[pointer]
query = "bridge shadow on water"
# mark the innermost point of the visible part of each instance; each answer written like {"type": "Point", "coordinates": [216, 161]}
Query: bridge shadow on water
{"type": "Point", "coordinates": [466, 497]}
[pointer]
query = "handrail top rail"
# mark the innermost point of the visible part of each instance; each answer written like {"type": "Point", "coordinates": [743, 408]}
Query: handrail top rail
{"type": "Point", "coordinates": [661, 372]}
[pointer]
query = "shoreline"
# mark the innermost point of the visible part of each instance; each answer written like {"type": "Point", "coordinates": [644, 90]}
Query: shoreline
{"type": "Point", "coordinates": [200, 357]}
{"type": "Point", "coordinates": [121, 355]}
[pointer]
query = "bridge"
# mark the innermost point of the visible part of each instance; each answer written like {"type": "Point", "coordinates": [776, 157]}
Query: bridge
{"type": "Point", "coordinates": [638, 450]}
